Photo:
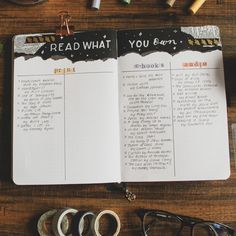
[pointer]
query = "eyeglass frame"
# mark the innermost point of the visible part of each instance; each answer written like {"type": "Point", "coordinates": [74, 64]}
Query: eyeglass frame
{"type": "Point", "coordinates": [184, 221]}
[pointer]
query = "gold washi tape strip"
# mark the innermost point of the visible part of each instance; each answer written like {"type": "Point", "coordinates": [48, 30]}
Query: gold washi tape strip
{"type": "Point", "coordinates": [204, 42]}
{"type": "Point", "coordinates": [40, 39]}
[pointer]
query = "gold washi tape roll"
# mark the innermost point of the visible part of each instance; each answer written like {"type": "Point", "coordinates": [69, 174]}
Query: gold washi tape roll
{"type": "Point", "coordinates": [44, 225]}
{"type": "Point", "coordinates": [98, 217]}
{"type": "Point", "coordinates": [195, 6]}
{"type": "Point", "coordinates": [58, 218]}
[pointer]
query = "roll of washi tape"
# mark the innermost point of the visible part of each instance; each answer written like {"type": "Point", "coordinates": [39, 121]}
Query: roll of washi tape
{"type": "Point", "coordinates": [57, 220]}
{"type": "Point", "coordinates": [195, 6]}
{"type": "Point", "coordinates": [96, 4]}
{"type": "Point", "coordinates": [96, 220]}
{"type": "Point", "coordinates": [79, 223]}
{"type": "Point", "coordinates": [44, 225]}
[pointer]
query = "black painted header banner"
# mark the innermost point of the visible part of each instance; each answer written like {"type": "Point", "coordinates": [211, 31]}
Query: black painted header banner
{"type": "Point", "coordinates": [95, 45]}
{"type": "Point", "coordinates": [172, 41]}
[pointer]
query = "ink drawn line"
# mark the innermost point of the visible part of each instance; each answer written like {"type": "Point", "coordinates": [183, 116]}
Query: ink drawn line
{"type": "Point", "coordinates": [65, 167]}
{"type": "Point", "coordinates": [95, 72]}
{"type": "Point", "coordinates": [158, 70]}
{"type": "Point", "coordinates": [79, 73]}
{"type": "Point", "coordinates": [173, 132]}
{"type": "Point", "coordinates": [199, 68]}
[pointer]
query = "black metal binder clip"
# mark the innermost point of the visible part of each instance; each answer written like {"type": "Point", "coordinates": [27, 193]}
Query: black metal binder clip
{"type": "Point", "coordinates": [64, 29]}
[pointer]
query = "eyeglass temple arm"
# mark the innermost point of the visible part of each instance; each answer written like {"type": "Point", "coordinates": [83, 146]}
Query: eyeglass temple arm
{"type": "Point", "coordinates": [190, 219]}
{"type": "Point", "coordinates": [148, 226]}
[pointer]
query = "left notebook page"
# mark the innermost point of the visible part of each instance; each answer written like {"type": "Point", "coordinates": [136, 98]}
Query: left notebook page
{"type": "Point", "coordinates": [65, 109]}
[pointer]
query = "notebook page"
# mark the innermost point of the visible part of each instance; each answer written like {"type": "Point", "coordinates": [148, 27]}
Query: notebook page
{"type": "Point", "coordinates": [173, 105]}
{"type": "Point", "coordinates": [65, 109]}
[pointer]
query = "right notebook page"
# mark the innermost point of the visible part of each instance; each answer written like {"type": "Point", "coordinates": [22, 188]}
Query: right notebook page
{"type": "Point", "coordinates": [173, 109]}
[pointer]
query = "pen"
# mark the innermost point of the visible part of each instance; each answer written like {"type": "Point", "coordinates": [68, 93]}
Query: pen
{"type": "Point", "coordinates": [96, 4]}
{"type": "Point", "coordinates": [195, 6]}
{"type": "Point", "coordinates": [170, 3]}
{"type": "Point", "coordinates": [126, 1]}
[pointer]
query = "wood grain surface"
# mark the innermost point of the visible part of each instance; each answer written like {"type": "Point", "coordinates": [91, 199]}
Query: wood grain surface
{"type": "Point", "coordinates": [20, 206]}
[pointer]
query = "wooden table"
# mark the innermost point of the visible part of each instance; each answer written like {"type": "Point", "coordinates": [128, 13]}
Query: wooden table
{"type": "Point", "coordinates": [20, 206]}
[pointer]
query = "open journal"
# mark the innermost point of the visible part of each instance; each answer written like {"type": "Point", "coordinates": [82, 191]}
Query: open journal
{"type": "Point", "coordinates": [112, 106]}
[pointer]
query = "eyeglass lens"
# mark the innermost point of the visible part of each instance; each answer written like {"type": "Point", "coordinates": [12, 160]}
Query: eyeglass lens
{"type": "Point", "coordinates": [202, 229]}
{"type": "Point", "coordinates": [160, 225]}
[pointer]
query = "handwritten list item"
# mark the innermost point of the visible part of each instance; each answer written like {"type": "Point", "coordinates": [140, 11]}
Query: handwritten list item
{"type": "Point", "coordinates": [39, 102]}
{"type": "Point", "coordinates": [147, 121]}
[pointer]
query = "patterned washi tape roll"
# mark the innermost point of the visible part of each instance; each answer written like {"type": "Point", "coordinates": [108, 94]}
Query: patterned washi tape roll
{"type": "Point", "coordinates": [58, 218]}
{"type": "Point", "coordinates": [95, 225]}
{"type": "Point", "coordinates": [44, 225]}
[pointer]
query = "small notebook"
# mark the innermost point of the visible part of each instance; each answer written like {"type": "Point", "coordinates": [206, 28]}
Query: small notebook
{"type": "Point", "coordinates": [111, 106]}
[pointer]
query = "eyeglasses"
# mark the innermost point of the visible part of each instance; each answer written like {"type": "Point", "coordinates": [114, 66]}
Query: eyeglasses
{"type": "Point", "coordinates": [162, 223]}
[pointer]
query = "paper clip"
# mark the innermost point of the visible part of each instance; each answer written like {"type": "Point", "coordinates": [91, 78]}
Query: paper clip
{"type": "Point", "coordinates": [64, 29]}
